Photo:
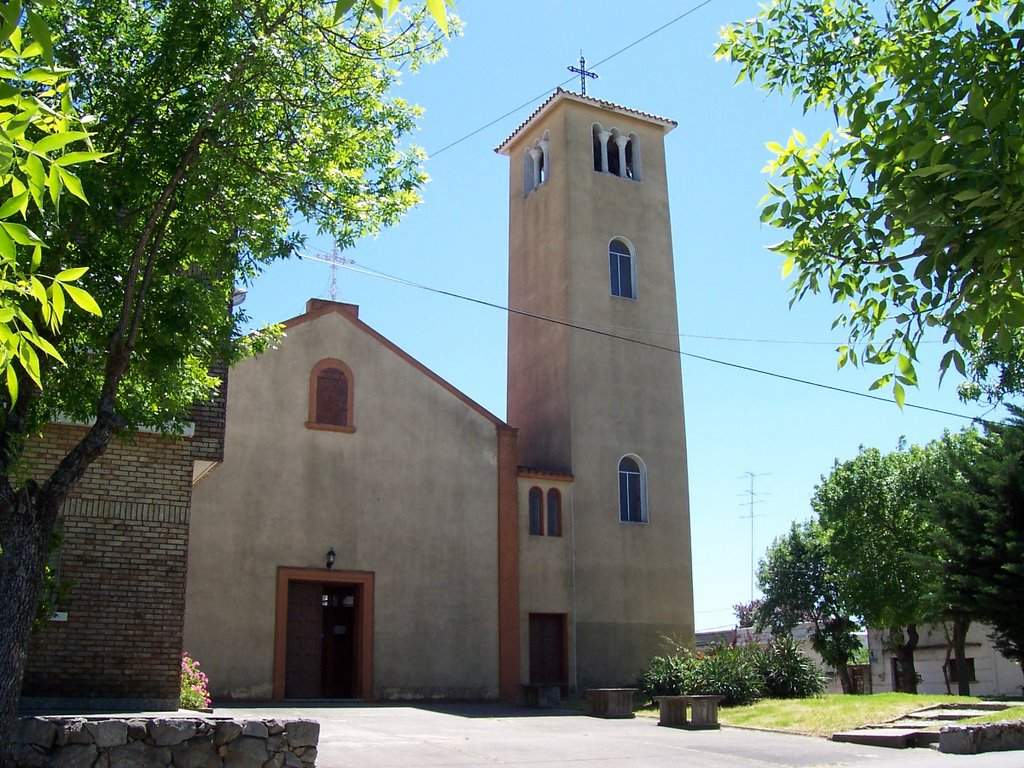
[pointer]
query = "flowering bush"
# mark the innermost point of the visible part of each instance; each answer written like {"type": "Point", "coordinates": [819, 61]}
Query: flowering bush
{"type": "Point", "coordinates": [195, 693]}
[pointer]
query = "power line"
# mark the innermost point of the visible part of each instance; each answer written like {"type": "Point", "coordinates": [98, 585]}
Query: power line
{"type": "Point", "coordinates": [540, 96]}
{"type": "Point", "coordinates": [355, 267]}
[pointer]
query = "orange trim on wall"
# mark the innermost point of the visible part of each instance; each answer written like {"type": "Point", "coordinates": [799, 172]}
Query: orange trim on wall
{"type": "Point", "coordinates": [350, 389]}
{"type": "Point", "coordinates": [364, 632]}
{"type": "Point", "coordinates": [509, 676]}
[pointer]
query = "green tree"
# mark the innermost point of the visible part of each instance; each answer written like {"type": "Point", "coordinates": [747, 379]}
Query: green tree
{"type": "Point", "coordinates": [983, 514]}
{"type": "Point", "coordinates": [800, 584]}
{"type": "Point", "coordinates": [227, 124]}
{"type": "Point", "coordinates": [908, 216]}
{"type": "Point", "coordinates": [883, 543]}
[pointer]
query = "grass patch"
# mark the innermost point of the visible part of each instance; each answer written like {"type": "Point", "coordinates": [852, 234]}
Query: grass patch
{"type": "Point", "coordinates": [1013, 713]}
{"type": "Point", "coordinates": [825, 715]}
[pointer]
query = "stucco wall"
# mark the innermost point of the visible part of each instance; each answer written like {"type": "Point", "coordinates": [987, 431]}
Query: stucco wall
{"type": "Point", "coordinates": [410, 495]}
{"type": "Point", "coordinates": [633, 581]}
{"type": "Point", "coordinates": [995, 674]}
{"type": "Point", "coordinates": [545, 567]}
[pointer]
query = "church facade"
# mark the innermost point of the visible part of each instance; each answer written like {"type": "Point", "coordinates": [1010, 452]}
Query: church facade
{"type": "Point", "coordinates": [375, 533]}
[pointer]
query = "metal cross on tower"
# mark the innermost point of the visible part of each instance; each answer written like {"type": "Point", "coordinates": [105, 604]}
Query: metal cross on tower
{"type": "Point", "coordinates": [584, 73]}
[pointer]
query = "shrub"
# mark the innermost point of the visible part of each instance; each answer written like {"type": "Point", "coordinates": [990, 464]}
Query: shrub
{"type": "Point", "coordinates": [786, 672]}
{"type": "Point", "coordinates": [741, 674]}
{"type": "Point", "coordinates": [195, 693]}
{"type": "Point", "coordinates": [722, 671]}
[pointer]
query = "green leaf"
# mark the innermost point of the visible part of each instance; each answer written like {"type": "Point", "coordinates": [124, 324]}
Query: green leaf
{"type": "Point", "coordinates": [13, 205]}
{"type": "Point", "coordinates": [41, 35]}
{"type": "Point", "coordinates": [12, 384]}
{"type": "Point", "coordinates": [44, 345]}
{"type": "Point", "coordinates": [20, 234]}
{"type": "Point", "coordinates": [899, 394]}
{"type": "Point", "coordinates": [787, 266]}
{"type": "Point", "coordinates": [57, 299]}
{"type": "Point", "coordinates": [73, 158]}
{"type": "Point", "coordinates": [71, 275]}
{"type": "Point", "coordinates": [72, 182]}
{"type": "Point", "coordinates": [84, 300]}
{"type": "Point", "coordinates": [58, 141]}
{"type": "Point", "coordinates": [440, 14]}
{"type": "Point", "coordinates": [341, 7]}
{"type": "Point", "coordinates": [7, 249]}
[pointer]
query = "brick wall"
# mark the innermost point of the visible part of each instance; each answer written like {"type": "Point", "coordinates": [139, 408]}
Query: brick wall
{"type": "Point", "coordinates": [209, 420]}
{"type": "Point", "coordinates": [125, 554]}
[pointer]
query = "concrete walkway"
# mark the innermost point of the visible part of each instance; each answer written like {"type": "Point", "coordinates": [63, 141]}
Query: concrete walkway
{"type": "Point", "coordinates": [486, 735]}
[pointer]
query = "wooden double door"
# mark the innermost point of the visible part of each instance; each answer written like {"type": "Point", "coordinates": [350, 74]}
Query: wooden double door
{"type": "Point", "coordinates": [323, 641]}
{"type": "Point", "coordinates": [549, 649]}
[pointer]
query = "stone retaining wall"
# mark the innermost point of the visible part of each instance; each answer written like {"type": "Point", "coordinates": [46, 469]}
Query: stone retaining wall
{"type": "Point", "coordinates": [986, 737]}
{"type": "Point", "coordinates": [186, 742]}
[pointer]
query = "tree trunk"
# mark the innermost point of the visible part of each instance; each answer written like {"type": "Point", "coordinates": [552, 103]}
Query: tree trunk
{"type": "Point", "coordinates": [26, 531]}
{"type": "Point", "coordinates": [843, 672]}
{"type": "Point", "coordinates": [905, 653]}
{"type": "Point", "coordinates": [960, 626]}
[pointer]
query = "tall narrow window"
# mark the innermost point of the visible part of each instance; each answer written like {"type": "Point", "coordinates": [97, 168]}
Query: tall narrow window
{"type": "Point", "coordinates": [330, 396]}
{"type": "Point", "coordinates": [554, 512]}
{"type": "Point", "coordinates": [614, 166]}
{"type": "Point", "coordinates": [632, 506]}
{"type": "Point", "coordinates": [620, 269]}
{"type": "Point", "coordinates": [633, 169]}
{"type": "Point", "coordinates": [536, 512]}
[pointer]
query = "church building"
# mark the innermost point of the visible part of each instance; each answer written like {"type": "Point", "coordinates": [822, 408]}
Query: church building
{"type": "Point", "coordinates": [375, 533]}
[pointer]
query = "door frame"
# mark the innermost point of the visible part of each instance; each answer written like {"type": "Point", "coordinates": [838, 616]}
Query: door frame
{"type": "Point", "coordinates": [363, 581]}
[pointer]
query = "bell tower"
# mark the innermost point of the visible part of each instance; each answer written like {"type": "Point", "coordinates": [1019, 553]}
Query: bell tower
{"type": "Point", "coordinates": [590, 244]}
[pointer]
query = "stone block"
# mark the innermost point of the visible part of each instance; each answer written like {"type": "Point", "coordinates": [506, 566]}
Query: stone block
{"type": "Point", "coordinates": [226, 732]}
{"type": "Point", "coordinates": [255, 728]}
{"type": "Point", "coordinates": [167, 732]}
{"type": "Point", "coordinates": [75, 756]}
{"type": "Point", "coordinates": [309, 756]}
{"type": "Point", "coordinates": [302, 733]}
{"type": "Point", "coordinates": [29, 756]}
{"type": "Point", "coordinates": [194, 754]}
{"type": "Point", "coordinates": [108, 733]}
{"type": "Point", "coordinates": [275, 727]}
{"type": "Point", "coordinates": [75, 732]}
{"type": "Point", "coordinates": [277, 761]}
{"type": "Point", "coordinates": [37, 731]}
{"type": "Point", "coordinates": [136, 730]}
{"type": "Point", "coordinates": [139, 755]}
{"type": "Point", "coordinates": [246, 752]}
{"type": "Point", "coordinates": [291, 761]}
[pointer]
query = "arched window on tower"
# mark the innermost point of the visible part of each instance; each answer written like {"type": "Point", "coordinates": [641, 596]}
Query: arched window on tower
{"type": "Point", "coordinates": [527, 173]}
{"type": "Point", "coordinates": [536, 164]}
{"type": "Point", "coordinates": [633, 167]}
{"type": "Point", "coordinates": [536, 512]}
{"type": "Point", "coordinates": [330, 396]}
{"type": "Point", "coordinates": [632, 490]}
{"type": "Point", "coordinates": [600, 140]}
{"type": "Point", "coordinates": [614, 164]}
{"type": "Point", "coordinates": [620, 269]}
{"type": "Point", "coordinates": [554, 527]}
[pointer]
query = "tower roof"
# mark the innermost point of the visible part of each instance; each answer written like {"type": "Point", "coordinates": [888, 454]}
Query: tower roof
{"type": "Point", "coordinates": [561, 95]}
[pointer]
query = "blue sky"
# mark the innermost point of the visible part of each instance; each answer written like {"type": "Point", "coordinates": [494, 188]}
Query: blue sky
{"type": "Point", "coordinates": [727, 283]}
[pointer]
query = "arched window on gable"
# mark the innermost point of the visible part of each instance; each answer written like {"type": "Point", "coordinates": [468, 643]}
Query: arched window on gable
{"type": "Point", "coordinates": [331, 396]}
{"type": "Point", "coordinates": [632, 490]}
{"type": "Point", "coordinates": [536, 512]}
{"type": "Point", "coordinates": [554, 527]}
{"type": "Point", "coordinates": [621, 272]}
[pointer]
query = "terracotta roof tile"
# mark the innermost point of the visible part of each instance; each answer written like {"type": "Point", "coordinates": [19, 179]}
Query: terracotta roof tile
{"type": "Point", "coordinates": [561, 92]}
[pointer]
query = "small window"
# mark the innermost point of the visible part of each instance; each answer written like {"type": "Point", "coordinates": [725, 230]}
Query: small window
{"type": "Point", "coordinates": [554, 512]}
{"type": "Point", "coordinates": [620, 269]}
{"type": "Point", "coordinates": [536, 512]}
{"type": "Point", "coordinates": [632, 491]}
{"type": "Point", "coordinates": [330, 396]}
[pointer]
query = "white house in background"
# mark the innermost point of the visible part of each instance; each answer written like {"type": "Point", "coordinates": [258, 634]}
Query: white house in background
{"type": "Point", "coordinates": [991, 673]}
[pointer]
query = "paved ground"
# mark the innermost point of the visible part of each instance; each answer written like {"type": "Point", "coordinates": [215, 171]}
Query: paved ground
{"type": "Point", "coordinates": [482, 735]}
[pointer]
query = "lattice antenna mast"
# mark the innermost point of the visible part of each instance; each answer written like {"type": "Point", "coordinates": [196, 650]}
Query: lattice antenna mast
{"type": "Point", "coordinates": [752, 498]}
{"type": "Point", "coordinates": [332, 259]}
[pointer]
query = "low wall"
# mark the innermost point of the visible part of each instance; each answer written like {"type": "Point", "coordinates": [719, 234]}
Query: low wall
{"type": "Point", "coordinates": [987, 737]}
{"type": "Point", "coordinates": [185, 742]}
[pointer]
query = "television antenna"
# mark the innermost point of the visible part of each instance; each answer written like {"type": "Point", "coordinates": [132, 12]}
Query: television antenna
{"type": "Point", "coordinates": [752, 498]}
{"type": "Point", "coordinates": [332, 259]}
